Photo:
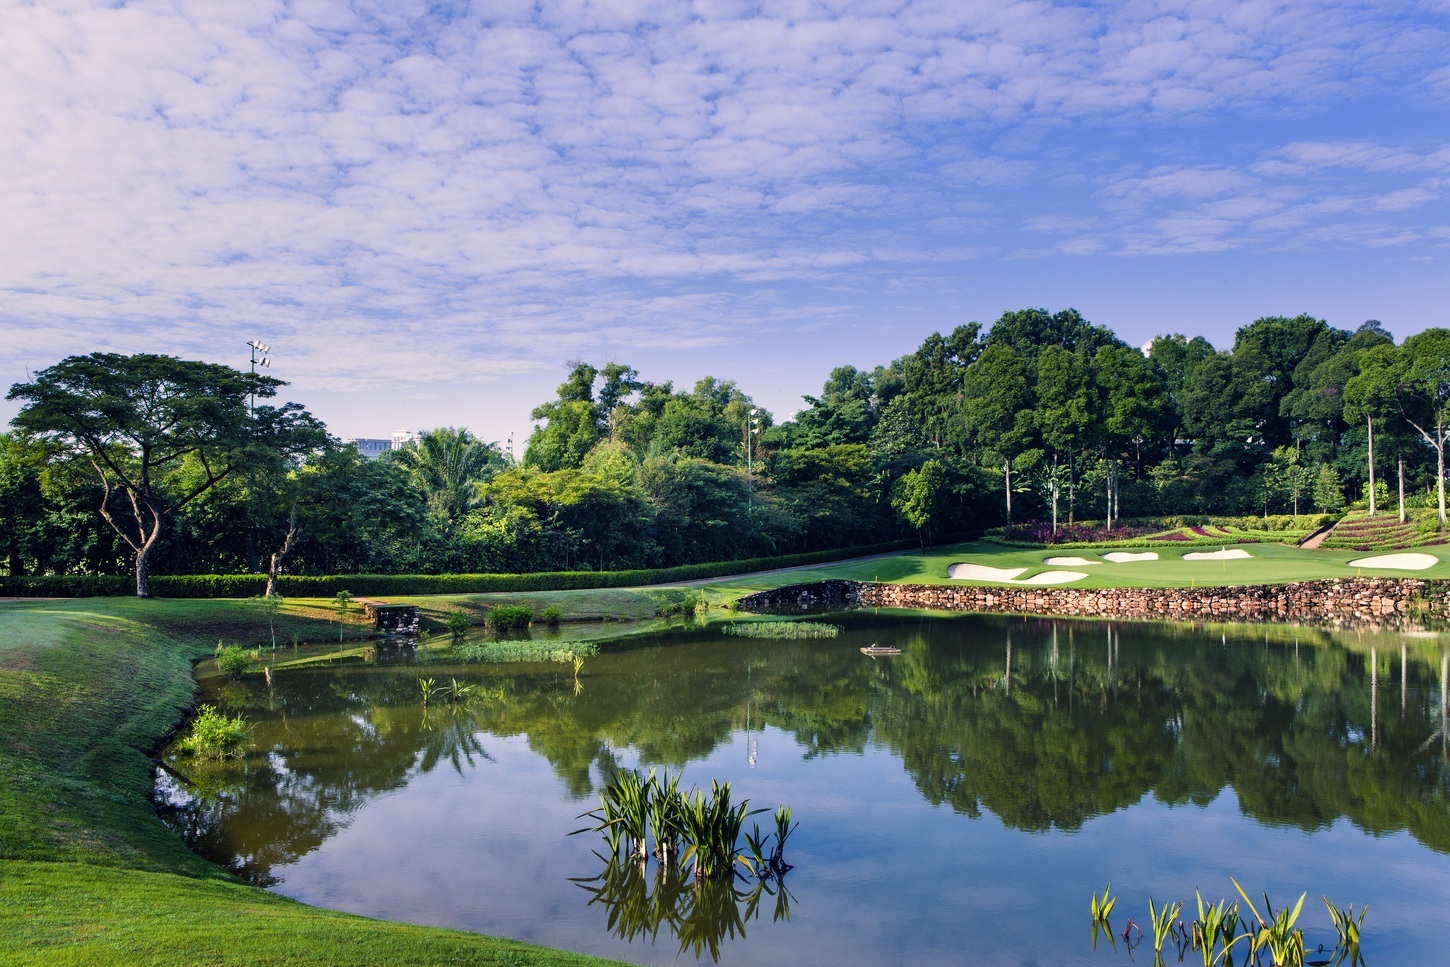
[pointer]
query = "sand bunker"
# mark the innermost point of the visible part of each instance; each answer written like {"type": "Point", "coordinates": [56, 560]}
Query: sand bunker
{"type": "Point", "coordinates": [1074, 561]}
{"type": "Point", "coordinates": [1227, 554]}
{"type": "Point", "coordinates": [981, 572]}
{"type": "Point", "coordinates": [1125, 557]}
{"type": "Point", "coordinates": [1398, 562]}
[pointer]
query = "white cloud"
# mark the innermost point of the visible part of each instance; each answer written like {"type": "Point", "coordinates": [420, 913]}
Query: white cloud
{"type": "Point", "coordinates": [532, 177]}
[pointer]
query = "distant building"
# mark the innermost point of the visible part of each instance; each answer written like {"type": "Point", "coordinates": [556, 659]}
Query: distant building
{"type": "Point", "coordinates": [373, 447]}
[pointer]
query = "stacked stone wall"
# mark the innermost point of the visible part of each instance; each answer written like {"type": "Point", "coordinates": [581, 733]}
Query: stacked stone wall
{"type": "Point", "coordinates": [1392, 601]}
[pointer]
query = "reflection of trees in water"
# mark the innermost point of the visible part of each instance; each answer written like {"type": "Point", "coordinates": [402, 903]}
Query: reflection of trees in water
{"type": "Point", "coordinates": [701, 914]}
{"type": "Point", "coordinates": [1063, 721]}
{"type": "Point", "coordinates": [1044, 723]}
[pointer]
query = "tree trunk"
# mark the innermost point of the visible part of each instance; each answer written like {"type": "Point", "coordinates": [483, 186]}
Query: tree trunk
{"type": "Point", "coordinates": [1402, 487]}
{"type": "Point", "coordinates": [1369, 422]}
{"type": "Point", "coordinates": [281, 553]}
{"type": "Point", "coordinates": [1440, 473]}
{"type": "Point", "coordinates": [1007, 471]}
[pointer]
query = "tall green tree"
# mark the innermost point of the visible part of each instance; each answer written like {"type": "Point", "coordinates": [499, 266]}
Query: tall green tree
{"type": "Point", "coordinates": [447, 465]}
{"type": "Point", "coordinates": [136, 419]}
{"type": "Point", "coordinates": [1424, 396]}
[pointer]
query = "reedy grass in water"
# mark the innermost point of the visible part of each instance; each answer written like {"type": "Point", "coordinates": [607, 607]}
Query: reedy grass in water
{"type": "Point", "coordinates": [500, 652]}
{"type": "Point", "coordinates": [782, 630]}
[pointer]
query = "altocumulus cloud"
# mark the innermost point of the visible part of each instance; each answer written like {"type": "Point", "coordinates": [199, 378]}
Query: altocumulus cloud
{"type": "Point", "coordinates": [511, 182]}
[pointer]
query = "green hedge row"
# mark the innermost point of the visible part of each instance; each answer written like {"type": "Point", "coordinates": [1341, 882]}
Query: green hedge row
{"type": "Point", "coordinates": [370, 585]}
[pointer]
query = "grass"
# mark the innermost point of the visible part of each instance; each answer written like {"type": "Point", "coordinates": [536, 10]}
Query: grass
{"type": "Point", "coordinates": [1384, 532]}
{"type": "Point", "coordinates": [88, 874]}
{"type": "Point", "coordinates": [1270, 564]}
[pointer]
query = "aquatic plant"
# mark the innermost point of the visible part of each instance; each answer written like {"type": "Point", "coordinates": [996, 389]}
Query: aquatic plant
{"type": "Point", "coordinates": [232, 660]}
{"type": "Point", "coordinates": [783, 630]}
{"type": "Point", "coordinates": [1163, 922]}
{"type": "Point", "coordinates": [1102, 909]}
{"type": "Point", "coordinates": [711, 826]}
{"type": "Point", "coordinates": [1215, 924]}
{"type": "Point", "coordinates": [1347, 927]}
{"type": "Point", "coordinates": [500, 652]}
{"type": "Point", "coordinates": [430, 690]}
{"type": "Point", "coordinates": [215, 735]}
{"type": "Point", "coordinates": [1276, 932]}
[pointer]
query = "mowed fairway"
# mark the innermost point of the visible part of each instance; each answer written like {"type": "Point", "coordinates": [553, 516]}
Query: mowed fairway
{"type": "Point", "coordinates": [1268, 564]}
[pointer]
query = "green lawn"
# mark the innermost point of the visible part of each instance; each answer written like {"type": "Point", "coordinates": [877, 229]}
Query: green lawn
{"type": "Point", "coordinates": [88, 874]}
{"type": "Point", "coordinates": [1270, 564]}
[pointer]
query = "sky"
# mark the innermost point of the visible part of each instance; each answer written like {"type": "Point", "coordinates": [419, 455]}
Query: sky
{"type": "Point", "coordinates": [428, 210]}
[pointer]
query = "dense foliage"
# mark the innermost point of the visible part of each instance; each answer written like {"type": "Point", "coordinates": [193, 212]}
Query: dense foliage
{"type": "Point", "coordinates": [1043, 417]}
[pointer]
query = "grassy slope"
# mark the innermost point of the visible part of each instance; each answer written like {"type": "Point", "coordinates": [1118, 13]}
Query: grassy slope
{"type": "Point", "coordinates": [88, 875]}
{"type": "Point", "coordinates": [1270, 564]}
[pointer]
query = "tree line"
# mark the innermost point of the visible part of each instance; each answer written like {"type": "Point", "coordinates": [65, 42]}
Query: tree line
{"type": "Point", "coordinates": [132, 463]}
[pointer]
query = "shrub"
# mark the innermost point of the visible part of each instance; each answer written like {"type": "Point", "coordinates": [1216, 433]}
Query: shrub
{"type": "Point", "coordinates": [232, 660]}
{"type": "Point", "coordinates": [552, 615]}
{"type": "Point", "coordinates": [458, 623]}
{"type": "Point", "coordinates": [214, 735]}
{"type": "Point", "coordinates": [509, 617]}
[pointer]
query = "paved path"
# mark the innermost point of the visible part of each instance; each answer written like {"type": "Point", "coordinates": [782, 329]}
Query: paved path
{"type": "Point", "coordinates": [782, 570]}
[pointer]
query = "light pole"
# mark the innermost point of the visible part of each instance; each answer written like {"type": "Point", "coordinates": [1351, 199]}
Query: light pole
{"type": "Point", "coordinates": [752, 430]}
{"type": "Point", "coordinates": [259, 351]}
{"type": "Point", "coordinates": [259, 358]}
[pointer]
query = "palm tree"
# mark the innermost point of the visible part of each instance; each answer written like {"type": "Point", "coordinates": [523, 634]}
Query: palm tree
{"type": "Point", "coordinates": [447, 465]}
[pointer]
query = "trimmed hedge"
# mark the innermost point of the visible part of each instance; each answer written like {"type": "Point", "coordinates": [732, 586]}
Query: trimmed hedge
{"type": "Point", "coordinates": [368, 585]}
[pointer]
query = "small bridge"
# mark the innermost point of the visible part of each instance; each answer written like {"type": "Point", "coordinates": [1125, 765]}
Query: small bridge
{"type": "Point", "coordinates": [393, 619]}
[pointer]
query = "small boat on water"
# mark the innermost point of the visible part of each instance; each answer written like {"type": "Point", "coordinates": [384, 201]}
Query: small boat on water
{"type": "Point", "coordinates": [874, 650]}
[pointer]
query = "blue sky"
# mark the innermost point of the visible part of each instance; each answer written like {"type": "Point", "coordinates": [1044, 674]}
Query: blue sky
{"type": "Point", "coordinates": [428, 210]}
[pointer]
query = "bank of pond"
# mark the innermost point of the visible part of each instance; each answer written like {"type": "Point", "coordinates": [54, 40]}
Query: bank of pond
{"type": "Point", "coordinates": [960, 800]}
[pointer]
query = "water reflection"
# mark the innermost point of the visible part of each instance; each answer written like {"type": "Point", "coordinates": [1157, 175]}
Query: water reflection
{"type": "Point", "coordinates": [700, 913]}
{"type": "Point", "coordinates": [1043, 726]}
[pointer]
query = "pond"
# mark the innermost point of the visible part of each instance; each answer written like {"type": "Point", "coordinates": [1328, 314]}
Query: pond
{"type": "Point", "coordinates": [959, 802]}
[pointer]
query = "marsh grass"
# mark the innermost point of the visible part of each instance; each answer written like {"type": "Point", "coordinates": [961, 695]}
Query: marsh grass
{"type": "Point", "coordinates": [782, 630]}
{"type": "Point", "coordinates": [499, 652]}
{"type": "Point", "coordinates": [215, 735]}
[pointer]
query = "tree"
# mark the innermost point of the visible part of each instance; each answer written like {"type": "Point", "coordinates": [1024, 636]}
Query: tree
{"type": "Point", "coordinates": [996, 414]}
{"type": "Point", "coordinates": [447, 465]}
{"type": "Point", "coordinates": [136, 419]}
{"type": "Point", "coordinates": [1424, 396]}
{"type": "Point", "coordinates": [917, 495]}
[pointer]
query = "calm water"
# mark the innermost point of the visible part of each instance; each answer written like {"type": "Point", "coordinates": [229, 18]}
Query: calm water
{"type": "Point", "coordinates": [957, 804]}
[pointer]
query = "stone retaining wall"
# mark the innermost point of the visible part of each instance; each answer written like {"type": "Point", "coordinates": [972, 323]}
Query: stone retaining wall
{"type": "Point", "coordinates": [1383, 601]}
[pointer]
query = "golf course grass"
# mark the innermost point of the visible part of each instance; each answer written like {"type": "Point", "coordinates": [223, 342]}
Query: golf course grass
{"type": "Point", "coordinates": [88, 687]}
{"type": "Point", "coordinates": [88, 874]}
{"type": "Point", "coordinates": [1267, 564]}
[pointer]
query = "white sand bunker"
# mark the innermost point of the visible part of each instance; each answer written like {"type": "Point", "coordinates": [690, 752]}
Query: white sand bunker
{"type": "Point", "coordinates": [981, 572]}
{"type": "Point", "coordinates": [1125, 557]}
{"type": "Point", "coordinates": [1398, 562]}
{"type": "Point", "coordinates": [1227, 554]}
{"type": "Point", "coordinates": [1073, 561]}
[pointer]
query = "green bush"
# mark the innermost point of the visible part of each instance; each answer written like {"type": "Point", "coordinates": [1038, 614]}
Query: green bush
{"type": "Point", "coordinates": [232, 660]}
{"type": "Point", "coordinates": [509, 617]}
{"type": "Point", "coordinates": [552, 615]}
{"type": "Point", "coordinates": [458, 623]}
{"type": "Point", "coordinates": [214, 735]}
